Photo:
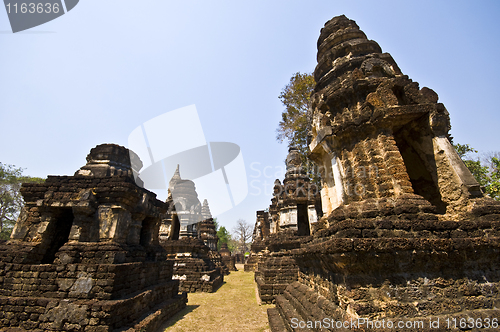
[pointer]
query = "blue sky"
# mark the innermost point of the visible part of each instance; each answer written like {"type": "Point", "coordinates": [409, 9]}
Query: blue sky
{"type": "Point", "coordinates": [96, 73]}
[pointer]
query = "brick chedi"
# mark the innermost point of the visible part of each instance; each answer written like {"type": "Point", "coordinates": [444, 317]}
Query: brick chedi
{"type": "Point", "coordinates": [260, 232]}
{"type": "Point", "coordinates": [197, 265]}
{"type": "Point", "coordinates": [84, 254]}
{"type": "Point", "coordinates": [295, 202]}
{"type": "Point", "coordinates": [228, 259]}
{"type": "Point", "coordinates": [295, 206]}
{"type": "Point", "coordinates": [206, 228]}
{"type": "Point", "coordinates": [407, 234]}
{"type": "Point", "coordinates": [182, 194]}
{"type": "Point", "coordinates": [208, 234]}
{"type": "Point", "coordinates": [376, 135]}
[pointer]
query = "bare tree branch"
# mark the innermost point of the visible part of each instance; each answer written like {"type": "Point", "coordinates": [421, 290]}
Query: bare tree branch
{"type": "Point", "coordinates": [243, 233]}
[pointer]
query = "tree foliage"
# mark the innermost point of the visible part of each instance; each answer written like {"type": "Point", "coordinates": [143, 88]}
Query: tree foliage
{"type": "Point", "coordinates": [11, 201]}
{"type": "Point", "coordinates": [224, 237]}
{"type": "Point", "coordinates": [294, 125]}
{"type": "Point", "coordinates": [488, 176]}
{"type": "Point", "coordinates": [242, 235]}
{"type": "Point", "coordinates": [296, 97]}
{"type": "Point", "coordinates": [493, 188]}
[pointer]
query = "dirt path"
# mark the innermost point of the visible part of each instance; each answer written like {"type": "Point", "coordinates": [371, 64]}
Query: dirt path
{"type": "Point", "coordinates": [232, 308]}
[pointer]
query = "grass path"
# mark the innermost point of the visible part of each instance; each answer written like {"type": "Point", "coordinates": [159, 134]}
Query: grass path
{"type": "Point", "coordinates": [233, 307]}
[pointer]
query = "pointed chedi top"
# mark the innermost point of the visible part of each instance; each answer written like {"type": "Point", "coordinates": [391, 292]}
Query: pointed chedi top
{"type": "Point", "coordinates": [175, 178]}
{"type": "Point", "coordinates": [205, 211]}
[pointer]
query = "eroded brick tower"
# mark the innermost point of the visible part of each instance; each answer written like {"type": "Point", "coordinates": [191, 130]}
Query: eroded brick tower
{"type": "Point", "coordinates": [376, 135]}
{"type": "Point", "coordinates": [407, 234]}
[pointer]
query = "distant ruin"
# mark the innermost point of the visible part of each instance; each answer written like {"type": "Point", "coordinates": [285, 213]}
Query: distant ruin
{"type": "Point", "coordinates": [228, 259]}
{"type": "Point", "coordinates": [296, 203]}
{"type": "Point", "coordinates": [85, 255]}
{"type": "Point", "coordinates": [407, 232]}
{"type": "Point", "coordinates": [189, 237]}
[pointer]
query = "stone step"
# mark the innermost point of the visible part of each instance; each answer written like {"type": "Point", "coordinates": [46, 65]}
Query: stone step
{"type": "Point", "coordinates": [288, 313]}
{"type": "Point", "coordinates": [312, 305]}
{"type": "Point", "coordinates": [275, 321]}
{"type": "Point", "coordinates": [294, 301]}
{"type": "Point", "coordinates": [157, 316]}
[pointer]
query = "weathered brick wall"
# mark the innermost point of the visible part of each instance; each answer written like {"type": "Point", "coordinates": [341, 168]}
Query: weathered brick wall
{"type": "Point", "coordinates": [29, 293]}
{"type": "Point", "coordinates": [194, 265]}
{"type": "Point", "coordinates": [84, 254]}
{"type": "Point", "coordinates": [197, 275]}
{"type": "Point", "coordinates": [273, 275]}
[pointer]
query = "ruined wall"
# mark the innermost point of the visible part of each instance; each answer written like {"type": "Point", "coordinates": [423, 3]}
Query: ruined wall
{"type": "Point", "coordinates": [84, 253]}
{"type": "Point", "coordinates": [193, 265]}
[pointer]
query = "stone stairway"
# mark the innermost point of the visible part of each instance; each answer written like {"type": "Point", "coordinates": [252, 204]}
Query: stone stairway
{"type": "Point", "coordinates": [300, 303]}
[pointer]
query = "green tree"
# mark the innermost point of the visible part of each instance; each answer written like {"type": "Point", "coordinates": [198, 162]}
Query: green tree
{"type": "Point", "coordinates": [224, 236]}
{"type": "Point", "coordinates": [493, 188]}
{"type": "Point", "coordinates": [294, 125]}
{"type": "Point", "coordinates": [488, 177]}
{"type": "Point", "coordinates": [11, 200]}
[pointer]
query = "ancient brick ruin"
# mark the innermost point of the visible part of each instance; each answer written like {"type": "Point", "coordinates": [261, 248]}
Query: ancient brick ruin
{"type": "Point", "coordinates": [228, 259]}
{"type": "Point", "coordinates": [261, 231]}
{"type": "Point", "coordinates": [84, 254]}
{"type": "Point", "coordinates": [206, 228]}
{"type": "Point", "coordinates": [407, 233]}
{"type": "Point", "coordinates": [193, 266]}
{"type": "Point", "coordinates": [295, 206]}
{"type": "Point", "coordinates": [189, 237]}
{"type": "Point", "coordinates": [296, 203]}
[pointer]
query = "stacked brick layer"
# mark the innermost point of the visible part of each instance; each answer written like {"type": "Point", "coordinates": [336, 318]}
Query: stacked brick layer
{"type": "Point", "coordinates": [84, 253]}
{"type": "Point", "coordinates": [195, 266]}
{"type": "Point", "coordinates": [399, 262]}
{"type": "Point", "coordinates": [273, 275]}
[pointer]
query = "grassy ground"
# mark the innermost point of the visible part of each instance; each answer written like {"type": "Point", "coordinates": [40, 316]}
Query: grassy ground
{"type": "Point", "coordinates": [233, 307]}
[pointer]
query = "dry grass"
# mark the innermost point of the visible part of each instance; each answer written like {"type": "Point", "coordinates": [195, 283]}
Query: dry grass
{"type": "Point", "coordinates": [232, 308]}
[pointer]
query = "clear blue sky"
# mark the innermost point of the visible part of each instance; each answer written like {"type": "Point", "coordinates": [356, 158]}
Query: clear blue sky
{"type": "Point", "coordinates": [96, 73]}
